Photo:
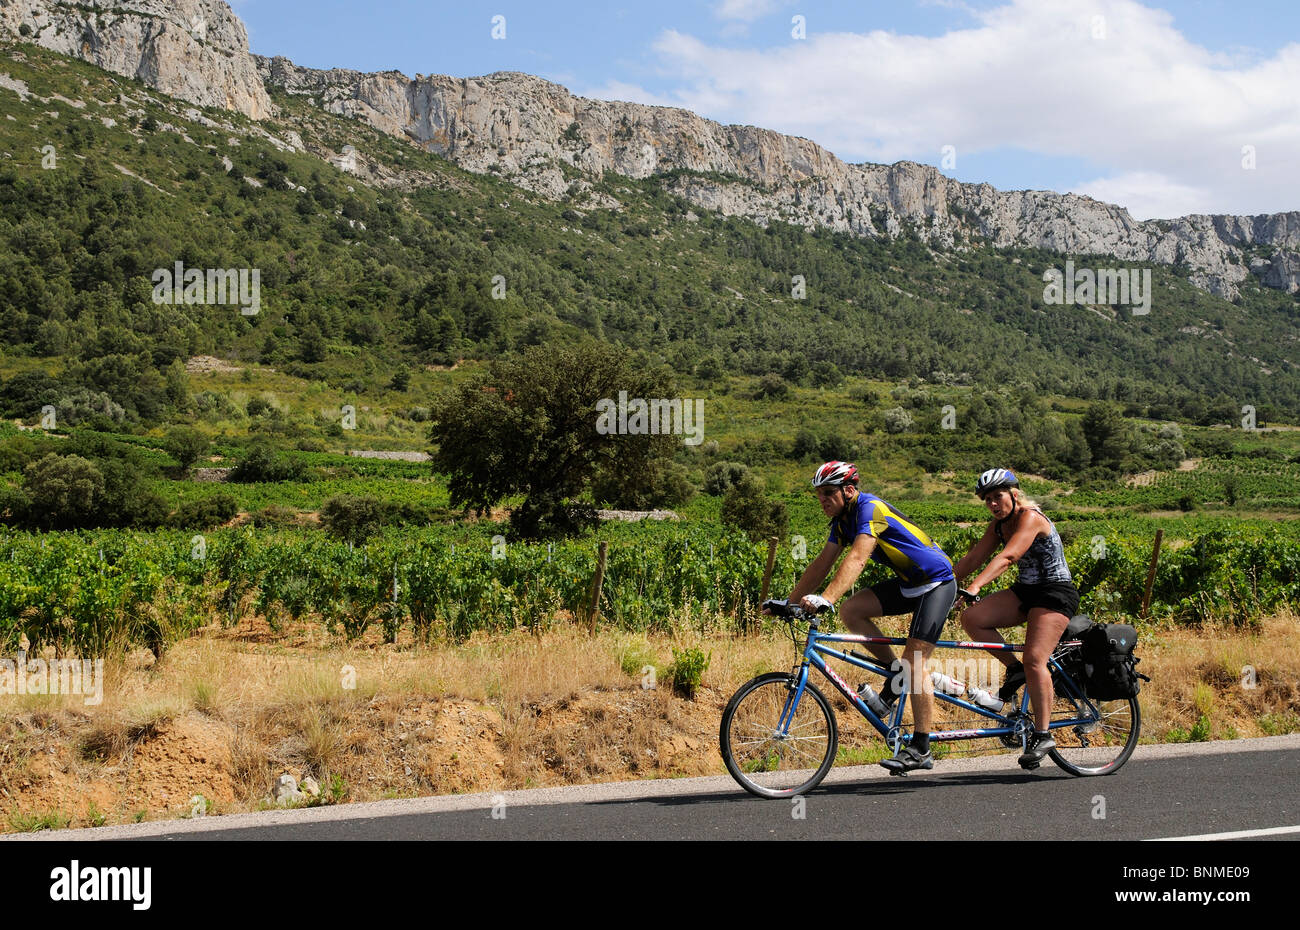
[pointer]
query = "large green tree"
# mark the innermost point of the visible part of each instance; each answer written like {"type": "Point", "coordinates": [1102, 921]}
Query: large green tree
{"type": "Point", "coordinates": [529, 425]}
{"type": "Point", "coordinates": [1108, 435]}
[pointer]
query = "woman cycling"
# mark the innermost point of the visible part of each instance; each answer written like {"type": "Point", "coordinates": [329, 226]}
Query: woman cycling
{"type": "Point", "coordinates": [1044, 594]}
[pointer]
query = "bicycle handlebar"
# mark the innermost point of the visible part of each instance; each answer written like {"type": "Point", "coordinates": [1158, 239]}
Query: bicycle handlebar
{"type": "Point", "coordinates": [787, 611]}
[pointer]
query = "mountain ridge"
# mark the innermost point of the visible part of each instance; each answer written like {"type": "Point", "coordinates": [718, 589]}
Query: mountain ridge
{"type": "Point", "coordinates": [537, 135]}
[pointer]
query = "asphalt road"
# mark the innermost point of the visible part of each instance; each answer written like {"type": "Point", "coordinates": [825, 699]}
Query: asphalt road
{"type": "Point", "coordinates": [1162, 792]}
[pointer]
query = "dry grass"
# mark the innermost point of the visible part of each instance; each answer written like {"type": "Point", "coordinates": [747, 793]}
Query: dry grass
{"type": "Point", "coordinates": [1243, 683]}
{"type": "Point", "coordinates": [112, 735]}
{"type": "Point", "coordinates": [508, 711]}
{"type": "Point", "coordinates": [250, 765]}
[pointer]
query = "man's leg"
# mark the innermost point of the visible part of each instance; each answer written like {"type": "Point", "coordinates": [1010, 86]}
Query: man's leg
{"type": "Point", "coordinates": [920, 688]}
{"type": "Point", "coordinates": [857, 614]}
{"type": "Point", "coordinates": [931, 612]}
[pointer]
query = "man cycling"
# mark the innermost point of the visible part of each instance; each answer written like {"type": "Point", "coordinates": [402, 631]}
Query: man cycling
{"type": "Point", "coordinates": [924, 586]}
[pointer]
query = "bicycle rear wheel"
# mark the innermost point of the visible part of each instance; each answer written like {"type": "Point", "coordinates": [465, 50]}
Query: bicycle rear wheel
{"type": "Point", "coordinates": [1098, 747]}
{"type": "Point", "coordinates": [774, 764]}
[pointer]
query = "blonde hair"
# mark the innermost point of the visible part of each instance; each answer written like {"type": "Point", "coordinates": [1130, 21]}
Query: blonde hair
{"type": "Point", "coordinates": [1022, 501]}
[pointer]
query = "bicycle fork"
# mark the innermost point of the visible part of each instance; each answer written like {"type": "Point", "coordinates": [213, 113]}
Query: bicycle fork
{"type": "Point", "coordinates": [792, 701]}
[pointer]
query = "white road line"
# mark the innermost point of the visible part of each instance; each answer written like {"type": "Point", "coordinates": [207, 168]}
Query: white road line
{"type": "Point", "coordinates": [1235, 835]}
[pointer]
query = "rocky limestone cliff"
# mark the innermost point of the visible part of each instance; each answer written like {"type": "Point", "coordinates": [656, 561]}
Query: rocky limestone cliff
{"type": "Point", "coordinates": [535, 133]}
{"type": "Point", "coordinates": [196, 50]}
{"type": "Point", "coordinates": [522, 127]}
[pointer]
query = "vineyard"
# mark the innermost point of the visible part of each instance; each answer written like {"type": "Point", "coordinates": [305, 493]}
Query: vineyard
{"type": "Point", "coordinates": [89, 592]}
{"type": "Point", "coordinates": [1257, 483]}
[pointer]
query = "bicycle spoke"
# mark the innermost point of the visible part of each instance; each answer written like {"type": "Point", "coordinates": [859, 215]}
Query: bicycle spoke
{"type": "Point", "coordinates": [771, 763]}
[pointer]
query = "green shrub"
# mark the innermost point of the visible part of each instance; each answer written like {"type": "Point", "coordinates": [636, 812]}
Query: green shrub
{"type": "Point", "coordinates": [354, 519]}
{"type": "Point", "coordinates": [723, 476]}
{"type": "Point", "coordinates": [262, 463]}
{"type": "Point", "coordinates": [747, 507]}
{"type": "Point", "coordinates": [202, 514]}
{"type": "Point", "coordinates": [687, 671]}
{"type": "Point", "coordinates": [1199, 733]}
{"type": "Point", "coordinates": [275, 515]}
{"type": "Point", "coordinates": [772, 386]}
{"type": "Point", "coordinates": [635, 657]}
{"type": "Point", "coordinates": [1277, 723]}
{"type": "Point", "coordinates": [185, 445]}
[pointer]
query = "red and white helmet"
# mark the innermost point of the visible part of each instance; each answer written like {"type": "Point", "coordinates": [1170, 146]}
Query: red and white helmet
{"type": "Point", "coordinates": [836, 474]}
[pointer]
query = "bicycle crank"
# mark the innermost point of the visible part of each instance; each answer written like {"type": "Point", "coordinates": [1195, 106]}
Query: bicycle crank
{"type": "Point", "coordinates": [1016, 740]}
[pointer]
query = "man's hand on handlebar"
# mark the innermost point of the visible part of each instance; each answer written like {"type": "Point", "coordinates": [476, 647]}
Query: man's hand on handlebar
{"type": "Point", "coordinates": [810, 605]}
{"type": "Point", "coordinates": [966, 598]}
{"type": "Point", "coordinates": [816, 604]}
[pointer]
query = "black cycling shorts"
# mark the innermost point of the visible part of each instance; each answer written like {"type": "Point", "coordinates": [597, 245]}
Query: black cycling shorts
{"type": "Point", "coordinates": [929, 611]}
{"type": "Point", "coordinates": [1060, 596]}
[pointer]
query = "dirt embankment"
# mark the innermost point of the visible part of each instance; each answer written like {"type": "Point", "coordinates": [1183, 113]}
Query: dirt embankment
{"type": "Point", "coordinates": [212, 725]}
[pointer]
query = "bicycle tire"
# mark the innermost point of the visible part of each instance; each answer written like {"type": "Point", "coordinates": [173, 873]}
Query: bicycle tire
{"type": "Point", "coordinates": [772, 766]}
{"type": "Point", "coordinates": [1103, 747]}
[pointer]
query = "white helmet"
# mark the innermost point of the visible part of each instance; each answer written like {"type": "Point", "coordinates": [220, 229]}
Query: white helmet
{"type": "Point", "coordinates": [994, 479]}
{"type": "Point", "coordinates": [836, 474]}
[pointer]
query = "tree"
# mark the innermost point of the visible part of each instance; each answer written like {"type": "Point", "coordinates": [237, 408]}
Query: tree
{"type": "Point", "coordinates": [747, 507]}
{"type": "Point", "coordinates": [826, 374]}
{"type": "Point", "coordinates": [311, 344]}
{"type": "Point", "coordinates": [530, 425]}
{"type": "Point", "coordinates": [185, 445]}
{"type": "Point", "coordinates": [897, 420]}
{"type": "Point", "coordinates": [25, 393]}
{"type": "Point", "coordinates": [722, 476]}
{"type": "Point", "coordinates": [62, 490]}
{"type": "Point", "coordinates": [1107, 435]}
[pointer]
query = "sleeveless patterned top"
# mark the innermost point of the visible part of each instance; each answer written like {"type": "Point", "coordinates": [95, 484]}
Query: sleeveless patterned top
{"type": "Point", "coordinates": [1044, 561]}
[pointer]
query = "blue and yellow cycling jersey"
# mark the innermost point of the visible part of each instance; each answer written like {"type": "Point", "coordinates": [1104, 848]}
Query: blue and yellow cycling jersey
{"type": "Point", "coordinates": [901, 544]}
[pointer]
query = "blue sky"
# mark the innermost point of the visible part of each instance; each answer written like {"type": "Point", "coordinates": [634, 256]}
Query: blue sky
{"type": "Point", "coordinates": [1167, 109]}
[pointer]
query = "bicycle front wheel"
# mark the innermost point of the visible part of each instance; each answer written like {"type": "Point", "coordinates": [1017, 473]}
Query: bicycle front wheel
{"type": "Point", "coordinates": [763, 758]}
{"type": "Point", "coordinates": [1096, 747]}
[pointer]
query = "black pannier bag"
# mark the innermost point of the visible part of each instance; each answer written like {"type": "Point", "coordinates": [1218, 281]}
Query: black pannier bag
{"type": "Point", "coordinates": [1109, 668]}
{"type": "Point", "coordinates": [1071, 661]}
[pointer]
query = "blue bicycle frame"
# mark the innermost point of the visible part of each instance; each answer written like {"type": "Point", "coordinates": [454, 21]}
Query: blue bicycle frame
{"type": "Point", "coordinates": [815, 649]}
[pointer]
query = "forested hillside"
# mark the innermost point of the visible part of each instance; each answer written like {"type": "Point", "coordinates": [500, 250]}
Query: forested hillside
{"type": "Point", "coordinates": [438, 265]}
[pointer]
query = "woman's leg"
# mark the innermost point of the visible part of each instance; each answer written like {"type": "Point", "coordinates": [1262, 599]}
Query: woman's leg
{"type": "Point", "coordinates": [1044, 632]}
{"type": "Point", "coordinates": [983, 620]}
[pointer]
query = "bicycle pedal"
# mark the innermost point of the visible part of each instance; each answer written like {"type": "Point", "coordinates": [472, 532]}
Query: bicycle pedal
{"type": "Point", "coordinates": [1030, 766]}
{"type": "Point", "coordinates": [898, 773]}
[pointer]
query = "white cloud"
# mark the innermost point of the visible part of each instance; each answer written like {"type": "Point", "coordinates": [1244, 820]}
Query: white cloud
{"type": "Point", "coordinates": [630, 93]}
{"type": "Point", "coordinates": [1163, 118]}
{"type": "Point", "coordinates": [1148, 195]}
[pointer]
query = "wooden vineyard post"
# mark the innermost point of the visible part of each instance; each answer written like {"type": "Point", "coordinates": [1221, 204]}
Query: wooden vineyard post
{"type": "Point", "coordinates": [1151, 573]}
{"type": "Point", "coordinates": [767, 572]}
{"type": "Point", "coordinates": [596, 585]}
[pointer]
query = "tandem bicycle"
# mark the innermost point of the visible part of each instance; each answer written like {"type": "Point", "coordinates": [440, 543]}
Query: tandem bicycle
{"type": "Point", "coordinates": [779, 735]}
